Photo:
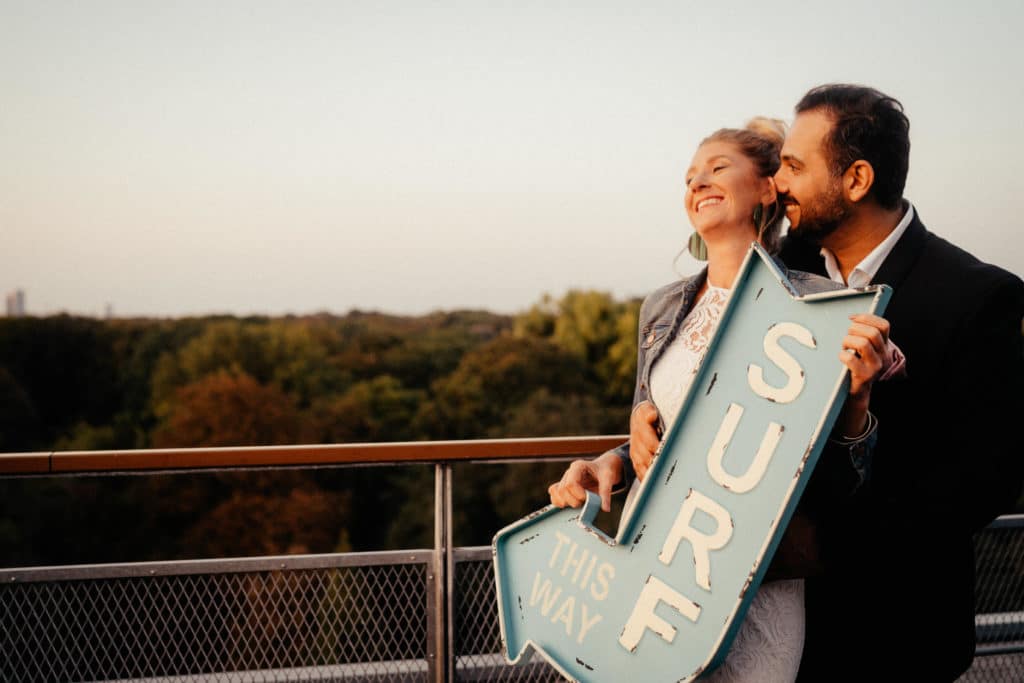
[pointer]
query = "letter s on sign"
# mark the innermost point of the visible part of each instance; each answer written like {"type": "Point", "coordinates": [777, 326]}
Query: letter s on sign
{"type": "Point", "coordinates": [794, 373]}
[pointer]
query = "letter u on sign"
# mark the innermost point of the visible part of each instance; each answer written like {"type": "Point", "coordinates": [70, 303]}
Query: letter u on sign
{"type": "Point", "coordinates": [662, 601]}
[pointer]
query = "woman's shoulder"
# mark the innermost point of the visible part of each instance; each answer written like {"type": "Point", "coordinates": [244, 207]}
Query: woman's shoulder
{"type": "Point", "coordinates": [671, 290]}
{"type": "Point", "coordinates": [668, 298]}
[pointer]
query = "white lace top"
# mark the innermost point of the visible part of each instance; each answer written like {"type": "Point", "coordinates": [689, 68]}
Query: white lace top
{"type": "Point", "coordinates": [673, 372]}
{"type": "Point", "coordinates": [768, 646]}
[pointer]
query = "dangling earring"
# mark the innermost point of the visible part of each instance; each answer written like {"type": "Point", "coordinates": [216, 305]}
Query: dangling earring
{"type": "Point", "coordinates": [697, 248]}
{"type": "Point", "coordinates": [762, 223]}
{"type": "Point", "coordinates": [759, 223]}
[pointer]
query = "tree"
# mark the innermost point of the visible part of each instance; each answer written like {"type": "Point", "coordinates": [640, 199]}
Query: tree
{"type": "Point", "coordinates": [65, 365]}
{"type": "Point", "coordinates": [595, 328]}
{"type": "Point", "coordinates": [228, 409]}
{"type": "Point", "coordinates": [18, 419]}
{"type": "Point", "coordinates": [259, 522]}
{"type": "Point", "coordinates": [380, 409]}
{"type": "Point", "coordinates": [492, 378]}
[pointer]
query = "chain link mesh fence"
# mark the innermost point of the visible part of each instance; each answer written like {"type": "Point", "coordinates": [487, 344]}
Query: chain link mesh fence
{"type": "Point", "coordinates": [999, 593]}
{"type": "Point", "coordinates": [366, 623]}
{"type": "Point", "coordinates": [338, 618]}
{"type": "Point", "coordinates": [478, 651]}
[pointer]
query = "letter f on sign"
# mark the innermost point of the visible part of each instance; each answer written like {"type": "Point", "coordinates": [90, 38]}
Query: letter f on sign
{"type": "Point", "coordinates": [643, 616]}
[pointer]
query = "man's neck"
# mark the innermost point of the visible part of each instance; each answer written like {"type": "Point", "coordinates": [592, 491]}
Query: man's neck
{"type": "Point", "coordinates": [860, 234]}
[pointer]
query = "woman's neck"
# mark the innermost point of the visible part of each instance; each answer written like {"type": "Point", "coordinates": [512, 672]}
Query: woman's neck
{"type": "Point", "coordinates": [724, 261]}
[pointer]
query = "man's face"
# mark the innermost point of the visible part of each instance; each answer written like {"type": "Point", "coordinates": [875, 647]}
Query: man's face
{"type": "Point", "coordinates": [813, 196]}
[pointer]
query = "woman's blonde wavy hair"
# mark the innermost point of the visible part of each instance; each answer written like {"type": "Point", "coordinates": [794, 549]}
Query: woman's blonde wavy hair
{"type": "Point", "coordinates": [761, 142]}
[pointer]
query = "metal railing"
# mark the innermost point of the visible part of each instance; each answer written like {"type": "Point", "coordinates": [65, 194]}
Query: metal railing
{"type": "Point", "coordinates": [415, 615]}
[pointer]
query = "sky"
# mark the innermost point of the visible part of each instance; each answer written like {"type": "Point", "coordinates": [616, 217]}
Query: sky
{"type": "Point", "coordinates": [252, 157]}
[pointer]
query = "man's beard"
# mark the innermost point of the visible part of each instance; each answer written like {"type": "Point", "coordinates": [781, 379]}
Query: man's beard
{"type": "Point", "coordinates": [822, 216]}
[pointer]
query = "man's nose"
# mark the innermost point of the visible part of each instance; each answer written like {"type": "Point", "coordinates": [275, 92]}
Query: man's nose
{"type": "Point", "coordinates": [780, 181]}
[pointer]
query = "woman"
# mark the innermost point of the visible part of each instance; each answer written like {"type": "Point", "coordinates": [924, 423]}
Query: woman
{"type": "Point", "coordinates": [731, 200]}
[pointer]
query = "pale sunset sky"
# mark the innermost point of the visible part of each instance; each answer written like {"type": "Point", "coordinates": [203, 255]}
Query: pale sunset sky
{"type": "Point", "coordinates": [229, 156]}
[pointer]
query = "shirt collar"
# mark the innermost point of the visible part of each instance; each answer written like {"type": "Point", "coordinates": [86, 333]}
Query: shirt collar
{"type": "Point", "coordinates": [865, 271]}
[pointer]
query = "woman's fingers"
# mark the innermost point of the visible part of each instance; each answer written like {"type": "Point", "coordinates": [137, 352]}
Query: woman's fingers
{"type": "Point", "coordinates": [571, 489]}
{"type": "Point", "coordinates": [643, 437]}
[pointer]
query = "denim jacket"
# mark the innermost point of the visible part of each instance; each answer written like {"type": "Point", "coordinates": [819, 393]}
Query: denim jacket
{"type": "Point", "coordinates": [844, 465]}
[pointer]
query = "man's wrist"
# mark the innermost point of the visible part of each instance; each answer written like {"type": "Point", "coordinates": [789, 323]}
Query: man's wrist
{"type": "Point", "coordinates": [870, 424]}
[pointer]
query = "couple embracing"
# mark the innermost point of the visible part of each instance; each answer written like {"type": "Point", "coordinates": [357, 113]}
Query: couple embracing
{"type": "Point", "coordinates": [874, 579]}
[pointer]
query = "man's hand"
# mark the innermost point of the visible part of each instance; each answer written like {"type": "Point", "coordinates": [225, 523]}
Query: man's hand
{"type": "Point", "coordinates": [864, 354]}
{"type": "Point", "coordinates": [643, 437]}
{"type": "Point", "coordinates": [600, 475]}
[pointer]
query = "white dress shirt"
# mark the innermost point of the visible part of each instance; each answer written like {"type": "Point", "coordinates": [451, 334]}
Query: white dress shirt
{"type": "Point", "coordinates": [864, 271]}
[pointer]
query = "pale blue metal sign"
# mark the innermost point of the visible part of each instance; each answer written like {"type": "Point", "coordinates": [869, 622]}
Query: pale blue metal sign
{"type": "Point", "coordinates": [663, 600]}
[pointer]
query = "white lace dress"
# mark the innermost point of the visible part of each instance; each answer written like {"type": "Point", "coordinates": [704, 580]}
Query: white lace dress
{"type": "Point", "coordinates": [768, 646]}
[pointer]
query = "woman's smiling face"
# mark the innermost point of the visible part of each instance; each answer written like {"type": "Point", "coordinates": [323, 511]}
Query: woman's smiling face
{"type": "Point", "coordinates": [722, 188]}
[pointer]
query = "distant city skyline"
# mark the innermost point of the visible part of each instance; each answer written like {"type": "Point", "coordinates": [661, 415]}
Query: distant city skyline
{"type": "Point", "coordinates": [15, 303]}
{"type": "Point", "coordinates": [271, 158]}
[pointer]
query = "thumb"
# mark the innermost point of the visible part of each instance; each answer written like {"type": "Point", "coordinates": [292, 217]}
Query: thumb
{"type": "Point", "coordinates": [604, 489]}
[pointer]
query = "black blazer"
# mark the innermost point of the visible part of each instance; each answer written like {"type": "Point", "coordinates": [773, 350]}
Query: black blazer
{"type": "Point", "coordinates": [896, 600]}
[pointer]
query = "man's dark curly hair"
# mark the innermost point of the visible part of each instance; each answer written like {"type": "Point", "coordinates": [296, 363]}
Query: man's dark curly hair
{"type": "Point", "coordinates": [868, 125]}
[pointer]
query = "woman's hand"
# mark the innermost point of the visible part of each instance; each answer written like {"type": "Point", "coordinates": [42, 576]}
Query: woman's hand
{"type": "Point", "coordinates": [600, 475]}
{"type": "Point", "coordinates": [643, 437]}
{"type": "Point", "coordinates": [863, 353]}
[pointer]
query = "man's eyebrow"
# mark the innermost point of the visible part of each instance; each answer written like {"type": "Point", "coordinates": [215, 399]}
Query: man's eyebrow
{"type": "Point", "coordinates": [786, 156]}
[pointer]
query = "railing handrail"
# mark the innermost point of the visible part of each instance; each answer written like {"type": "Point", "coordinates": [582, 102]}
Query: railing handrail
{"type": "Point", "coordinates": [160, 459]}
{"type": "Point", "coordinates": [230, 565]}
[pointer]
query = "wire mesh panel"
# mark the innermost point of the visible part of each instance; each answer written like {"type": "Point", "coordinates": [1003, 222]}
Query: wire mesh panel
{"type": "Point", "coordinates": [1000, 603]}
{"type": "Point", "coordinates": [1000, 620]}
{"type": "Point", "coordinates": [366, 623]}
{"type": "Point", "coordinates": [477, 647]}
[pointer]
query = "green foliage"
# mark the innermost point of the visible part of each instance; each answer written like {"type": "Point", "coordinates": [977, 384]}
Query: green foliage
{"type": "Point", "coordinates": [565, 367]}
{"type": "Point", "coordinates": [594, 328]}
{"type": "Point", "coordinates": [472, 401]}
{"type": "Point", "coordinates": [379, 409]}
{"type": "Point", "coordinates": [291, 356]}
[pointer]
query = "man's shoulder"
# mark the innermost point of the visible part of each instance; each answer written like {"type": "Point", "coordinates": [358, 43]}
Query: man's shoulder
{"type": "Point", "coordinates": [942, 261]}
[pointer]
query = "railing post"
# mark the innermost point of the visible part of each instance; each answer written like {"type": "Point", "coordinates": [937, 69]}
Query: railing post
{"type": "Point", "coordinates": [440, 657]}
{"type": "Point", "coordinates": [449, 570]}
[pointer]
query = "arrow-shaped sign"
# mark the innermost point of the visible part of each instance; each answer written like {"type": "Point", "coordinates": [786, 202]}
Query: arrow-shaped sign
{"type": "Point", "coordinates": [663, 600]}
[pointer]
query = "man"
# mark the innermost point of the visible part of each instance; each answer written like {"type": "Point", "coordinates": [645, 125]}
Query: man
{"type": "Point", "coordinates": [896, 598]}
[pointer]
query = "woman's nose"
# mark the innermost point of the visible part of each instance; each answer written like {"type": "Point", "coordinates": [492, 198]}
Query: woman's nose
{"type": "Point", "coordinates": [699, 180]}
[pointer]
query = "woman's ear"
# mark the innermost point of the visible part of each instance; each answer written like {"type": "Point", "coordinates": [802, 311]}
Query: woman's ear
{"type": "Point", "coordinates": [770, 194]}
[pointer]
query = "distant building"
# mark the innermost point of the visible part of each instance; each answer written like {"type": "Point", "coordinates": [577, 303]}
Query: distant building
{"type": "Point", "coordinates": [16, 303]}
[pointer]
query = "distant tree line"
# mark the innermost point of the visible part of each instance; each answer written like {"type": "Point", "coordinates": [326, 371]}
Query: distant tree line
{"type": "Point", "coordinates": [564, 367]}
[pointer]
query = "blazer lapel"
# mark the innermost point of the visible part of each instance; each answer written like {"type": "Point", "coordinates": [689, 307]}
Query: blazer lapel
{"type": "Point", "coordinates": [903, 256]}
